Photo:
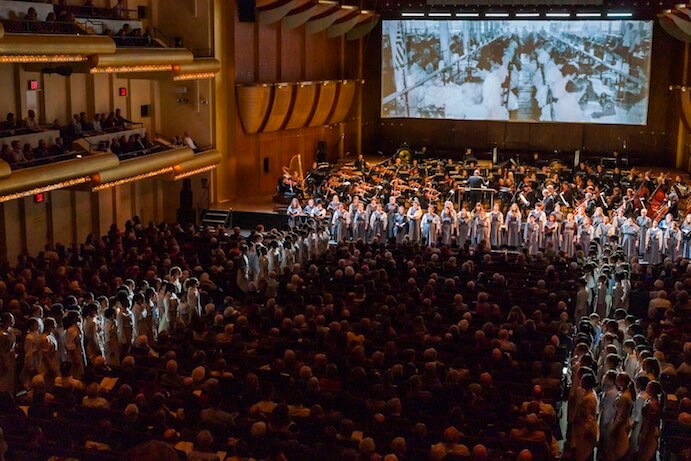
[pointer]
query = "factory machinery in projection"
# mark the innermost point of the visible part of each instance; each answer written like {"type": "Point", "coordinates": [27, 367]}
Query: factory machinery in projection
{"type": "Point", "coordinates": [589, 71]}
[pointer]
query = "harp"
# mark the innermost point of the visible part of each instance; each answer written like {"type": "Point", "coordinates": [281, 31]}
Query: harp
{"type": "Point", "coordinates": [294, 168]}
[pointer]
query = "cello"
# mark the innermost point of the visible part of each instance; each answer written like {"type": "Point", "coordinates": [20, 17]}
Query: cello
{"type": "Point", "coordinates": [642, 192]}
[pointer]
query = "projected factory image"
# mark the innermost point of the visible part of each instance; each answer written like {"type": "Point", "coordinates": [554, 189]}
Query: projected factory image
{"type": "Point", "coordinates": [531, 71]}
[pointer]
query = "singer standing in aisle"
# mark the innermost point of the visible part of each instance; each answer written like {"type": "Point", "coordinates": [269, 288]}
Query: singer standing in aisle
{"type": "Point", "coordinates": [340, 222]}
{"type": "Point", "coordinates": [686, 237]}
{"type": "Point", "coordinates": [567, 237]}
{"type": "Point", "coordinates": [585, 235]}
{"type": "Point", "coordinates": [430, 226]}
{"type": "Point", "coordinates": [391, 209]}
{"type": "Point", "coordinates": [629, 238]}
{"type": "Point", "coordinates": [672, 240]}
{"type": "Point", "coordinates": [644, 223]}
{"type": "Point", "coordinates": [294, 211]}
{"type": "Point", "coordinates": [513, 227]}
{"type": "Point", "coordinates": [377, 224]}
{"type": "Point", "coordinates": [653, 244]}
{"type": "Point", "coordinates": [496, 218]}
{"type": "Point", "coordinates": [531, 236]}
{"type": "Point", "coordinates": [400, 222]}
{"type": "Point", "coordinates": [463, 227]}
{"type": "Point", "coordinates": [480, 227]}
{"type": "Point", "coordinates": [448, 222]}
{"type": "Point", "coordinates": [414, 216]}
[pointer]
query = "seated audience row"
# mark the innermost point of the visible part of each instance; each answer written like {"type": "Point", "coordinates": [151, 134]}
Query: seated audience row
{"type": "Point", "coordinates": [286, 345]}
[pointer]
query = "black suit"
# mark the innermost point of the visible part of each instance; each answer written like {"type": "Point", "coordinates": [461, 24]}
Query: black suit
{"type": "Point", "coordinates": [475, 182]}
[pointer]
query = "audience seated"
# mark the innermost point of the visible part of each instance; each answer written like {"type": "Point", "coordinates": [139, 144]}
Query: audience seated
{"type": "Point", "coordinates": [361, 351]}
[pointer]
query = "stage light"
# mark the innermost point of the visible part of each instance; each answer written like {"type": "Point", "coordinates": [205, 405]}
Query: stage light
{"type": "Point", "coordinates": [619, 15]}
{"type": "Point", "coordinates": [588, 15]}
{"type": "Point", "coordinates": [439, 15]}
{"type": "Point", "coordinates": [412, 14]}
{"type": "Point", "coordinates": [496, 15]}
{"type": "Point", "coordinates": [527, 15]}
{"type": "Point", "coordinates": [467, 15]}
{"type": "Point", "coordinates": [558, 15]}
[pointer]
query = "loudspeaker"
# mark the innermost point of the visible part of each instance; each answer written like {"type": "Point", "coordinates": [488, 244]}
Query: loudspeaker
{"type": "Point", "coordinates": [321, 151]}
{"type": "Point", "coordinates": [141, 12]}
{"type": "Point", "coordinates": [247, 10]}
{"type": "Point", "coordinates": [144, 110]}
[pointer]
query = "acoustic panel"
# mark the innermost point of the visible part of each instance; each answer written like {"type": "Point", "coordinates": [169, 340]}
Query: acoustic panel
{"type": "Point", "coordinates": [253, 106]}
{"type": "Point", "coordinates": [280, 108]}
{"type": "Point", "coordinates": [346, 94]}
{"type": "Point", "coordinates": [325, 103]}
{"type": "Point", "coordinates": [305, 96]}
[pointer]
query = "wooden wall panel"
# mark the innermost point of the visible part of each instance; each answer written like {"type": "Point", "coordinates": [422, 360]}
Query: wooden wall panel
{"type": "Point", "coordinates": [315, 56]}
{"type": "Point", "coordinates": [82, 212]}
{"type": "Point", "coordinates": [268, 49]}
{"type": "Point", "coordinates": [103, 99]}
{"type": "Point", "coordinates": [346, 94]}
{"type": "Point", "coordinates": [55, 97]}
{"type": "Point", "coordinates": [325, 103]}
{"type": "Point", "coordinates": [245, 57]}
{"type": "Point", "coordinates": [35, 224]}
{"type": "Point", "coordinates": [269, 147]}
{"type": "Point", "coordinates": [12, 228]}
{"type": "Point", "coordinates": [280, 109]}
{"type": "Point", "coordinates": [78, 100]}
{"type": "Point", "coordinates": [253, 104]}
{"type": "Point", "coordinates": [61, 211]}
{"type": "Point", "coordinates": [123, 200]}
{"type": "Point", "coordinates": [305, 96]}
{"type": "Point", "coordinates": [8, 103]}
{"type": "Point", "coordinates": [292, 49]}
{"type": "Point", "coordinates": [106, 209]}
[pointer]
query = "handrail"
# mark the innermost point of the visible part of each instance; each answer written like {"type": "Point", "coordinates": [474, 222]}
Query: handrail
{"type": "Point", "coordinates": [46, 160]}
{"type": "Point", "coordinates": [168, 41]}
{"type": "Point", "coordinates": [96, 12]}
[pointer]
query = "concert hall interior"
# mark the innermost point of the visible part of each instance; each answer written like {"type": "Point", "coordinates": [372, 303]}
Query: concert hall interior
{"type": "Point", "coordinates": [391, 230]}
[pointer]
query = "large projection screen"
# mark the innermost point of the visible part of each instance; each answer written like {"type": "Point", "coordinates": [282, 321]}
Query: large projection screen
{"type": "Point", "coordinates": [581, 71]}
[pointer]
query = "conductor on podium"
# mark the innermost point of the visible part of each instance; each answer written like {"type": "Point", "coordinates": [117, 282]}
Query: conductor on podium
{"type": "Point", "coordinates": [475, 182]}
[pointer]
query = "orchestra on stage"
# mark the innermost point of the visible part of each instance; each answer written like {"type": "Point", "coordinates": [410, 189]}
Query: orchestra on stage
{"type": "Point", "coordinates": [537, 206]}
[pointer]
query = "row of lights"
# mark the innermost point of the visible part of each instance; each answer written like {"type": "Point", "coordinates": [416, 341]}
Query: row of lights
{"type": "Point", "coordinates": [139, 177]}
{"type": "Point", "coordinates": [48, 188]}
{"type": "Point", "coordinates": [187, 174]}
{"type": "Point", "coordinates": [683, 88]}
{"type": "Point", "coordinates": [30, 58]}
{"type": "Point", "coordinates": [504, 14]}
{"type": "Point", "coordinates": [142, 68]}
{"type": "Point", "coordinates": [196, 76]}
